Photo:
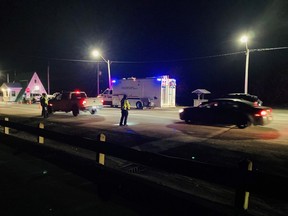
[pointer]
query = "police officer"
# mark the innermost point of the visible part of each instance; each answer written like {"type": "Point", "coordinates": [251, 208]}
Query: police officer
{"type": "Point", "coordinates": [44, 105]}
{"type": "Point", "coordinates": [125, 106]}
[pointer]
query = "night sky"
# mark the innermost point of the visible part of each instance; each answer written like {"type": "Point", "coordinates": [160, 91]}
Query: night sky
{"type": "Point", "coordinates": [196, 42]}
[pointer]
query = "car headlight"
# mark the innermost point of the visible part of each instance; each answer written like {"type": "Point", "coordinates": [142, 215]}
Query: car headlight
{"type": "Point", "coordinates": [181, 110]}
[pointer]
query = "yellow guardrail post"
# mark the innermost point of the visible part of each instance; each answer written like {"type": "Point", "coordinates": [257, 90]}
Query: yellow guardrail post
{"type": "Point", "coordinates": [6, 129]}
{"type": "Point", "coordinates": [242, 196]}
{"type": "Point", "coordinates": [246, 197]}
{"type": "Point", "coordinates": [99, 156]}
{"type": "Point", "coordinates": [40, 138]}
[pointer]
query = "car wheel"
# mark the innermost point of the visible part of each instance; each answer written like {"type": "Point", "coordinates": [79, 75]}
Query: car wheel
{"type": "Point", "coordinates": [75, 111]}
{"type": "Point", "coordinates": [93, 111]}
{"type": "Point", "coordinates": [244, 123]}
{"type": "Point", "coordinates": [241, 126]}
{"type": "Point", "coordinates": [139, 105]}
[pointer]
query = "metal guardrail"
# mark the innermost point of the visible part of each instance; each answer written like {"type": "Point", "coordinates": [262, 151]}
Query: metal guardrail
{"type": "Point", "coordinates": [243, 179]}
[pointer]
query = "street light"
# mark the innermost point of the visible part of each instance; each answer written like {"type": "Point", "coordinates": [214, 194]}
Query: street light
{"type": "Point", "coordinates": [96, 53]}
{"type": "Point", "coordinates": [244, 39]}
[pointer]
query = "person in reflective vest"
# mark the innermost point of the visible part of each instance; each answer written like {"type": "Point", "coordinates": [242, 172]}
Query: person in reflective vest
{"type": "Point", "coordinates": [125, 106]}
{"type": "Point", "coordinates": [44, 105]}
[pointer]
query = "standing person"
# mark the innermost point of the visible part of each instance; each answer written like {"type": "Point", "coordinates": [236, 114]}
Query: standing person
{"type": "Point", "coordinates": [125, 106]}
{"type": "Point", "coordinates": [44, 105]}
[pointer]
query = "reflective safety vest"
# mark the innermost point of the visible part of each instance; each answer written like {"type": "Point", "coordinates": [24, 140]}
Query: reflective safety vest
{"type": "Point", "coordinates": [125, 105]}
{"type": "Point", "coordinates": [44, 100]}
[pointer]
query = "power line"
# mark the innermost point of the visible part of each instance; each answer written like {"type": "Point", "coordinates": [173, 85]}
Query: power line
{"type": "Point", "coordinates": [63, 59]}
{"type": "Point", "coordinates": [268, 49]}
{"type": "Point", "coordinates": [163, 61]}
{"type": "Point", "coordinates": [203, 57]}
{"type": "Point", "coordinates": [140, 62]}
{"type": "Point", "coordinates": [179, 60]}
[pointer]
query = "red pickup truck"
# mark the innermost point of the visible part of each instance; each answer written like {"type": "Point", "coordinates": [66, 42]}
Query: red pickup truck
{"type": "Point", "coordinates": [74, 101]}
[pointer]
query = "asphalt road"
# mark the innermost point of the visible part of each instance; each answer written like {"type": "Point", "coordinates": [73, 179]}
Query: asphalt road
{"type": "Point", "coordinates": [161, 131]}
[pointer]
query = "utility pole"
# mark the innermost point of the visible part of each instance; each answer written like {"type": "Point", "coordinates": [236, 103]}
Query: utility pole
{"type": "Point", "coordinates": [98, 76]}
{"type": "Point", "coordinates": [48, 78]}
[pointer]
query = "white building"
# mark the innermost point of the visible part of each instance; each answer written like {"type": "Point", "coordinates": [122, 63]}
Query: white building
{"type": "Point", "coordinates": [19, 91]}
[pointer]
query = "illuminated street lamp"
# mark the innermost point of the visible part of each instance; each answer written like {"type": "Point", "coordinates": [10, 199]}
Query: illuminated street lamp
{"type": "Point", "coordinates": [244, 39]}
{"type": "Point", "coordinates": [96, 53]}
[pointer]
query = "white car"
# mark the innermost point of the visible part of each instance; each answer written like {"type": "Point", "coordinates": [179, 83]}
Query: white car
{"type": "Point", "coordinates": [35, 97]}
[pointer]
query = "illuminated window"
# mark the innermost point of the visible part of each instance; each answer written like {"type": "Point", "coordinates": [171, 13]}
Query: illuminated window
{"type": "Point", "coordinates": [13, 93]}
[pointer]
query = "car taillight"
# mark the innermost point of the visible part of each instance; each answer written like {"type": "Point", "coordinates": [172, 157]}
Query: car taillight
{"type": "Point", "coordinates": [84, 102]}
{"type": "Point", "coordinates": [102, 101]}
{"type": "Point", "coordinates": [261, 113]}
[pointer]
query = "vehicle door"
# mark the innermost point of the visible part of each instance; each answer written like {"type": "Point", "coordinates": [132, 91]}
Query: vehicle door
{"type": "Point", "coordinates": [56, 102]}
{"type": "Point", "coordinates": [107, 97]}
{"type": "Point", "coordinates": [227, 113]}
{"type": "Point", "coordinates": [214, 113]}
{"type": "Point", "coordinates": [64, 103]}
{"type": "Point", "coordinates": [205, 113]}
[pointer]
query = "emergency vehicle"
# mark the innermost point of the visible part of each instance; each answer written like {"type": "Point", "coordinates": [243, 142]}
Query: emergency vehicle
{"type": "Point", "coordinates": [146, 92]}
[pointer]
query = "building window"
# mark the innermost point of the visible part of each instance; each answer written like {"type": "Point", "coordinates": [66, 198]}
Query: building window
{"type": "Point", "coordinates": [13, 93]}
{"type": "Point", "coordinates": [35, 81]}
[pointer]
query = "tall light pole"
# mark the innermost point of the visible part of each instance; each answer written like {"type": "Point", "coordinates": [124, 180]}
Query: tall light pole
{"type": "Point", "coordinates": [244, 39]}
{"type": "Point", "coordinates": [96, 53]}
{"type": "Point", "coordinates": [98, 79]}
